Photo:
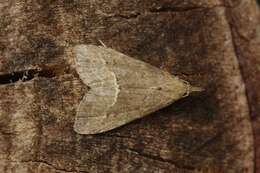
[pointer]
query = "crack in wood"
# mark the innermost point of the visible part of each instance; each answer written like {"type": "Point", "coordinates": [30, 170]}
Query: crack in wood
{"type": "Point", "coordinates": [237, 55]}
{"type": "Point", "coordinates": [25, 75]}
{"type": "Point", "coordinates": [175, 9]}
{"type": "Point", "coordinates": [53, 166]}
{"type": "Point", "coordinates": [185, 9]}
{"type": "Point", "coordinates": [122, 137]}
{"type": "Point", "coordinates": [234, 33]}
{"type": "Point", "coordinates": [168, 9]}
{"type": "Point", "coordinates": [208, 142]}
{"type": "Point", "coordinates": [160, 159]}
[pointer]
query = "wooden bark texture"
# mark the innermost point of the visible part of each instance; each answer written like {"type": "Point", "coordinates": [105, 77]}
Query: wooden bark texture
{"type": "Point", "coordinates": [210, 43]}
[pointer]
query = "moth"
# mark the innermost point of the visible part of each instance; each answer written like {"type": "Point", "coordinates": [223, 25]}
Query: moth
{"type": "Point", "coordinates": [122, 89]}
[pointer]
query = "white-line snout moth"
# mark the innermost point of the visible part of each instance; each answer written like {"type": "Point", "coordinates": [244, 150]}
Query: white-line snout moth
{"type": "Point", "coordinates": [122, 89]}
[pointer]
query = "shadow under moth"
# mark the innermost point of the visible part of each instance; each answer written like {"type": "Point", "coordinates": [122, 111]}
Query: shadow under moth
{"type": "Point", "coordinates": [122, 89]}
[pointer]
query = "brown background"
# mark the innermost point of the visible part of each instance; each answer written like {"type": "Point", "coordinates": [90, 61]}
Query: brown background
{"type": "Point", "coordinates": [211, 43]}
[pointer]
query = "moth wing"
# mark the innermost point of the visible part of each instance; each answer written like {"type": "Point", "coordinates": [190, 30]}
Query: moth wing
{"type": "Point", "coordinates": [143, 90]}
{"type": "Point", "coordinates": [103, 89]}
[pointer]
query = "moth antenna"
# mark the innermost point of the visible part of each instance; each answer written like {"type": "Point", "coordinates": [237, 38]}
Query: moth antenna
{"type": "Point", "coordinates": [103, 44]}
{"type": "Point", "coordinates": [196, 89]}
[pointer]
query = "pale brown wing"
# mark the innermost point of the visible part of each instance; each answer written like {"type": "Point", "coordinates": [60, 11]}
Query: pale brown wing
{"type": "Point", "coordinates": [103, 89]}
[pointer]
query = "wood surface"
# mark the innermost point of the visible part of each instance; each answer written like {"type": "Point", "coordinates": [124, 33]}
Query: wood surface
{"type": "Point", "coordinates": [210, 43]}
